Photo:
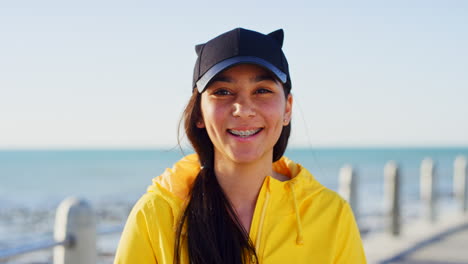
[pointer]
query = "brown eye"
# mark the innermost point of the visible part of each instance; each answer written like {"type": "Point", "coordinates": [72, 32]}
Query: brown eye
{"type": "Point", "coordinates": [263, 91]}
{"type": "Point", "coordinates": [221, 92]}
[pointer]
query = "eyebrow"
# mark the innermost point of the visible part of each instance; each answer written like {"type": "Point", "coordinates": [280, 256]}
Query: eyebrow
{"type": "Point", "coordinates": [222, 79]}
{"type": "Point", "coordinates": [263, 78]}
{"type": "Point", "coordinates": [257, 78]}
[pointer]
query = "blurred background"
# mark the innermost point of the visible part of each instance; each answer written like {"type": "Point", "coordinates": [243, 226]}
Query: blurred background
{"type": "Point", "coordinates": [91, 93]}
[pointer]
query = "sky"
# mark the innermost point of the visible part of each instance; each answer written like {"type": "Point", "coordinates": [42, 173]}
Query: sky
{"type": "Point", "coordinates": [117, 74]}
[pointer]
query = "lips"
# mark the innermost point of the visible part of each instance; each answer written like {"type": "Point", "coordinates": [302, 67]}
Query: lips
{"type": "Point", "coordinates": [244, 132]}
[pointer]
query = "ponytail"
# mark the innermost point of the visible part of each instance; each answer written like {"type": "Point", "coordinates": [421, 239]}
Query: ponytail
{"type": "Point", "coordinates": [214, 233]}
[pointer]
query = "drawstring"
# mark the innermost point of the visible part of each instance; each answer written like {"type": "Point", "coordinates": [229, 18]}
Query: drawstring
{"type": "Point", "coordinates": [299, 238]}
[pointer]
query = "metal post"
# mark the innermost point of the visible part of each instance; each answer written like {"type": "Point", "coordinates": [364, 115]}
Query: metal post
{"type": "Point", "coordinates": [76, 220]}
{"type": "Point", "coordinates": [460, 183]}
{"type": "Point", "coordinates": [428, 190]}
{"type": "Point", "coordinates": [347, 187]}
{"type": "Point", "coordinates": [392, 197]}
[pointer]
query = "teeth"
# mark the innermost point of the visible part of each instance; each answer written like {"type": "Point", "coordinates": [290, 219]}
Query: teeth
{"type": "Point", "coordinates": [244, 133]}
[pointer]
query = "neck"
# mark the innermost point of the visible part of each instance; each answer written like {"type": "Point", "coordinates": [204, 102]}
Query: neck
{"type": "Point", "coordinates": [241, 182]}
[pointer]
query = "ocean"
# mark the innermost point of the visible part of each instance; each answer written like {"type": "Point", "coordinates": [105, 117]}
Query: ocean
{"type": "Point", "coordinates": [33, 183]}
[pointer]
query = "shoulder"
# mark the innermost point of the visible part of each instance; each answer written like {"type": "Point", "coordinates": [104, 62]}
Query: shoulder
{"type": "Point", "coordinates": [141, 231]}
{"type": "Point", "coordinates": [329, 219]}
{"type": "Point", "coordinates": [332, 199]}
{"type": "Point", "coordinates": [149, 214]}
{"type": "Point", "coordinates": [156, 210]}
{"type": "Point", "coordinates": [318, 201]}
{"type": "Point", "coordinates": [310, 190]}
{"type": "Point", "coordinates": [341, 228]}
{"type": "Point", "coordinates": [150, 203]}
{"type": "Point", "coordinates": [155, 207]}
{"type": "Point", "coordinates": [327, 204]}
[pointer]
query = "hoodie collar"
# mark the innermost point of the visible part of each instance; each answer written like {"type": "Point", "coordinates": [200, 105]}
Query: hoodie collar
{"type": "Point", "coordinates": [178, 181]}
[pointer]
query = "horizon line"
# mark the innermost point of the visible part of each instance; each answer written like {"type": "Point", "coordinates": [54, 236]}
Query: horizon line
{"type": "Point", "coordinates": [177, 148]}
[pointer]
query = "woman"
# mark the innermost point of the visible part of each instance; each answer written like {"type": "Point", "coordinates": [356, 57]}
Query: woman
{"type": "Point", "coordinates": [238, 200]}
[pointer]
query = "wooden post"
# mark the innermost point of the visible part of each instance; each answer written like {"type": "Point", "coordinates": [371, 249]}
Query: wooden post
{"type": "Point", "coordinates": [76, 220]}
{"type": "Point", "coordinates": [348, 187]}
{"type": "Point", "coordinates": [460, 183]}
{"type": "Point", "coordinates": [392, 198]}
{"type": "Point", "coordinates": [428, 190]}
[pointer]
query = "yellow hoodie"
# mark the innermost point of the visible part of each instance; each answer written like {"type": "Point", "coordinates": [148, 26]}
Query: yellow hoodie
{"type": "Point", "coordinates": [295, 221]}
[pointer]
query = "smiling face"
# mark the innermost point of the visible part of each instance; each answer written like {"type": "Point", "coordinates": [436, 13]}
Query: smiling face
{"type": "Point", "coordinates": [244, 109]}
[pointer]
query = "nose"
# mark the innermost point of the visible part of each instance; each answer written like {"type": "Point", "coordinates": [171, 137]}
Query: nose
{"type": "Point", "coordinates": [243, 107]}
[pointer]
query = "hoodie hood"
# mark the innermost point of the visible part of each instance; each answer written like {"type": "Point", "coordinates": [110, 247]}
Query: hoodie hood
{"type": "Point", "coordinates": [178, 180]}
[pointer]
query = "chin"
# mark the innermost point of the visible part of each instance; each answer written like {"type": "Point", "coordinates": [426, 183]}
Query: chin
{"type": "Point", "coordinates": [245, 157]}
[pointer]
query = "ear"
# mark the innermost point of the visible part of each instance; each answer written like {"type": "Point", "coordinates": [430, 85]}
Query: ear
{"type": "Point", "coordinates": [278, 35]}
{"type": "Point", "coordinates": [200, 124]}
{"type": "Point", "coordinates": [199, 48]}
{"type": "Point", "coordinates": [288, 110]}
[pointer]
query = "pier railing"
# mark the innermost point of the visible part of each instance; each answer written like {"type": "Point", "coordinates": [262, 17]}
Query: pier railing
{"type": "Point", "coordinates": [348, 182]}
{"type": "Point", "coordinates": [75, 224]}
{"type": "Point", "coordinates": [74, 239]}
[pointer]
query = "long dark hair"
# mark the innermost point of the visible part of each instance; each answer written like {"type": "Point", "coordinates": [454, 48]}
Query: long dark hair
{"type": "Point", "coordinates": [214, 233]}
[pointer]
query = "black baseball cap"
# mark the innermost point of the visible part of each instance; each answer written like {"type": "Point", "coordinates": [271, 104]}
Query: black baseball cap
{"type": "Point", "coordinates": [240, 46]}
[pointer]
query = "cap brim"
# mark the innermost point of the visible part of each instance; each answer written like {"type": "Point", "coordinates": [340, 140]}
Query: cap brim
{"type": "Point", "coordinates": [217, 68]}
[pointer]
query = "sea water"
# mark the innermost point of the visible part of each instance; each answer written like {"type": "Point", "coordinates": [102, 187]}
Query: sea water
{"type": "Point", "coordinates": [33, 183]}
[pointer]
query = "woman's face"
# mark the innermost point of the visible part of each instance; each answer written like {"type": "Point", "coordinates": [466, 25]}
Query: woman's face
{"type": "Point", "coordinates": [244, 110]}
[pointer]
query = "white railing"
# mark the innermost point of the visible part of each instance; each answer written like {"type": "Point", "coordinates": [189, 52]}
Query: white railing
{"type": "Point", "coordinates": [41, 245]}
{"type": "Point", "coordinates": [392, 191]}
{"type": "Point", "coordinates": [74, 235]}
